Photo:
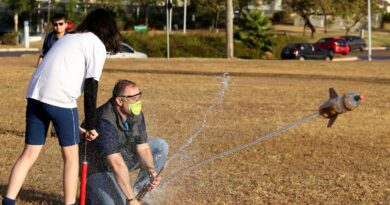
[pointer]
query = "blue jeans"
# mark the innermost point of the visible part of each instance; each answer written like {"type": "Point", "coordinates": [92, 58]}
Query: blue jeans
{"type": "Point", "coordinates": [102, 189]}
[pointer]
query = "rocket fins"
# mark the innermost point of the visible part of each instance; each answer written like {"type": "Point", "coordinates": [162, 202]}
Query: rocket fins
{"type": "Point", "coordinates": [332, 93]}
{"type": "Point", "coordinates": [332, 120]}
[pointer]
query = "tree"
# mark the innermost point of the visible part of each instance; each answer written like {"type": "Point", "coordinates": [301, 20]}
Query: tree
{"type": "Point", "coordinates": [211, 7]}
{"type": "Point", "coordinates": [305, 9]}
{"type": "Point", "coordinates": [145, 5]}
{"type": "Point", "coordinates": [244, 4]}
{"type": "Point", "coordinates": [254, 31]}
{"type": "Point", "coordinates": [353, 11]}
{"type": "Point", "coordinates": [327, 7]}
{"type": "Point", "coordinates": [17, 7]}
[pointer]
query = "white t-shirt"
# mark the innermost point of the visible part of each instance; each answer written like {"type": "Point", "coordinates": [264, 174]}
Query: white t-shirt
{"type": "Point", "coordinates": [59, 79]}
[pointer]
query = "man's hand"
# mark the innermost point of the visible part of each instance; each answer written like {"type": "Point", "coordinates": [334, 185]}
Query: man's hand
{"type": "Point", "coordinates": [134, 202]}
{"type": "Point", "coordinates": [156, 181]}
{"type": "Point", "coordinates": [91, 135]}
{"type": "Point", "coordinates": [88, 134]}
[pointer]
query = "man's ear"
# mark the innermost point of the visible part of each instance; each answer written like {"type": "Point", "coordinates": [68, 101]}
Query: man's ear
{"type": "Point", "coordinates": [118, 101]}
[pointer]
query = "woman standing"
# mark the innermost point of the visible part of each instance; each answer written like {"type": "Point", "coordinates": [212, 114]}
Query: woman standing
{"type": "Point", "coordinates": [72, 66]}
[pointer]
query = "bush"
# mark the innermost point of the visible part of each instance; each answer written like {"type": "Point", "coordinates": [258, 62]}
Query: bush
{"type": "Point", "coordinates": [9, 38]}
{"type": "Point", "coordinates": [189, 45]}
{"type": "Point", "coordinates": [254, 30]}
{"type": "Point", "coordinates": [200, 45]}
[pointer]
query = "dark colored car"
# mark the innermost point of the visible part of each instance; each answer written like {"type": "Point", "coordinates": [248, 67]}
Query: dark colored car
{"type": "Point", "coordinates": [335, 45]}
{"type": "Point", "coordinates": [304, 51]}
{"type": "Point", "coordinates": [355, 42]}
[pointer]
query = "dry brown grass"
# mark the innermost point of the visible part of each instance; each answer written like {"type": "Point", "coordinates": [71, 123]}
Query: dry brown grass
{"type": "Point", "coordinates": [310, 164]}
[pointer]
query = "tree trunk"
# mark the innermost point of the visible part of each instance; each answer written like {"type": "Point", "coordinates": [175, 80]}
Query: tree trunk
{"type": "Point", "coordinates": [325, 23]}
{"type": "Point", "coordinates": [16, 23]}
{"type": "Point", "coordinates": [312, 28]}
{"type": "Point", "coordinates": [217, 22]}
{"type": "Point", "coordinates": [146, 16]}
{"type": "Point", "coordinates": [229, 29]}
{"type": "Point", "coordinates": [310, 25]}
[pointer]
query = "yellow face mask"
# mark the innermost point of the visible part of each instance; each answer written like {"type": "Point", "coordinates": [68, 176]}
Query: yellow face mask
{"type": "Point", "coordinates": [135, 108]}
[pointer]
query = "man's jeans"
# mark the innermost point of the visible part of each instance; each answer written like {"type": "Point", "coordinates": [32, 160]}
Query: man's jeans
{"type": "Point", "coordinates": [102, 189]}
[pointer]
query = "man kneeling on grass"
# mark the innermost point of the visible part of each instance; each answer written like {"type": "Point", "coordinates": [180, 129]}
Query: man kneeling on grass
{"type": "Point", "coordinates": [122, 146]}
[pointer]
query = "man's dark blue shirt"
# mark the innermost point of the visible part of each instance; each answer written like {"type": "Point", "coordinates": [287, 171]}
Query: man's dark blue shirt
{"type": "Point", "coordinates": [50, 39]}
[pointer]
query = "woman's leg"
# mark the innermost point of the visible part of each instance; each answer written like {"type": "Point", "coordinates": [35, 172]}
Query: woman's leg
{"type": "Point", "coordinates": [65, 121]}
{"type": "Point", "coordinates": [21, 168]}
{"type": "Point", "coordinates": [70, 155]}
{"type": "Point", "coordinates": [37, 123]}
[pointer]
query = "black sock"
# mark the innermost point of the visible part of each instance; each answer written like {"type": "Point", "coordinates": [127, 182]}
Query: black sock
{"type": "Point", "coordinates": [8, 201]}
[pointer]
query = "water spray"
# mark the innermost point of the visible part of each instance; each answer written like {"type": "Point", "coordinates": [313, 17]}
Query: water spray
{"type": "Point", "coordinates": [329, 109]}
{"type": "Point", "coordinates": [220, 96]}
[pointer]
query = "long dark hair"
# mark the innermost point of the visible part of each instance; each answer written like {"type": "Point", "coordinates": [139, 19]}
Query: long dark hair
{"type": "Point", "coordinates": [101, 23]}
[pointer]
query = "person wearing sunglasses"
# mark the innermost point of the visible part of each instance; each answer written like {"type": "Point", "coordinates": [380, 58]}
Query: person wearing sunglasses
{"type": "Point", "coordinates": [122, 146]}
{"type": "Point", "coordinates": [72, 66]}
{"type": "Point", "coordinates": [59, 30]}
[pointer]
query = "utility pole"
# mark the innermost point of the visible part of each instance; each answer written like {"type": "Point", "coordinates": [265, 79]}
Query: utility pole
{"type": "Point", "coordinates": [48, 12]}
{"type": "Point", "coordinates": [168, 6]}
{"type": "Point", "coordinates": [185, 17]}
{"type": "Point", "coordinates": [39, 17]}
{"type": "Point", "coordinates": [170, 16]}
{"type": "Point", "coordinates": [369, 30]}
{"type": "Point", "coordinates": [229, 30]}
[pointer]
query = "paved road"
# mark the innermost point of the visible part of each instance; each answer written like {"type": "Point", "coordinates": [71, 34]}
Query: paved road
{"type": "Point", "coordinates": [376, 54]}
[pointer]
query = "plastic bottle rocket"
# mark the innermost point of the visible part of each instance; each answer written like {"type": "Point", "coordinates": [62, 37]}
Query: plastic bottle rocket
{"type": "Point", "coordinates": [338, 105]}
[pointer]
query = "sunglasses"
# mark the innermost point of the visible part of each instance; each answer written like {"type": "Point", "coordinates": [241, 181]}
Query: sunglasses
{"type": "Point", "coordinates": [58, 24]}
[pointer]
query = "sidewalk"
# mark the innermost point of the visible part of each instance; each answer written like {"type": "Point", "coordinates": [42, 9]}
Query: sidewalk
{"type": "Point", "coordinates": [18, 49]}
{"type": "Point", "coordinates": [378, 48]}
{"type": "Point", "coordinates": [35, 46]}
{"type": "Point", "coordinates": [349, 58]}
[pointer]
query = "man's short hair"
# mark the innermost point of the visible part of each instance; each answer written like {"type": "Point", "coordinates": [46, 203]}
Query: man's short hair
{"type": "Point", "coordinates": [120, 87]}
{"type": "Point", "coordinates": [58, 16]}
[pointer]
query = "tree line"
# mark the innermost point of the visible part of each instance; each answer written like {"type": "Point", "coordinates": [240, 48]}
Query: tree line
{"type": "Point", "coordinates": [350, 11]}
{"type": "Point", "coordinates": [203, 13]}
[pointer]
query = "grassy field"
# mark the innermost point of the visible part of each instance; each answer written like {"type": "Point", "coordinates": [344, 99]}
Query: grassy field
{"type": "Point", "coordinates": [309, 164]}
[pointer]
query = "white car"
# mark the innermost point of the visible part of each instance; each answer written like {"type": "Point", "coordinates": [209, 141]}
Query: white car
{"type": "Point", "coordinates": [127, 52]}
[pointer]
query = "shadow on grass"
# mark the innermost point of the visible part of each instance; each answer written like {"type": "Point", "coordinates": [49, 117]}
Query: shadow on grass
{"type": "Point", "coordinates": [34, 196]}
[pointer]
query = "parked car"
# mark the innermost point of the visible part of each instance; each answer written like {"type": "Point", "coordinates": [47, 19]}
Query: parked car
{"type": "Point", "coordinates": [303, 51]}
{"type": "Point", "coordinates": [335, 45]}
{"type": "Point", "coordinates": [355, 42]}
{"type": "Point", "coordinates": [69, 28]}
{"type": "Point", "coordinates": [127, 52]}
